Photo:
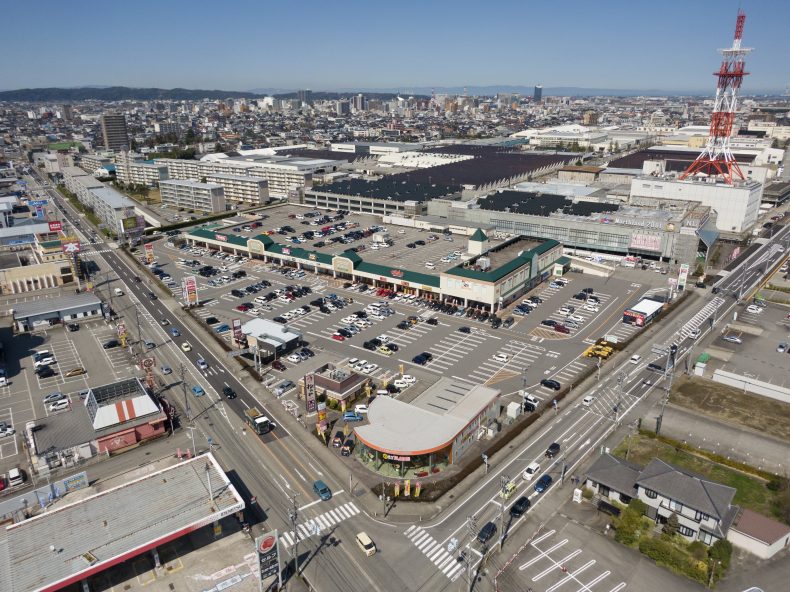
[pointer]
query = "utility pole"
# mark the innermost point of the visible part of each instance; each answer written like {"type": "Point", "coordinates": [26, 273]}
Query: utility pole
{"type": "Point", "coordinates": [137, 352]}
{"type": "Point", "coordinates": [620, 380]}
{"type": "Point", "coordinates": [471, 527]}
{"type": "Point", "coordinates": [293, 514]}
{"type": "Point", "coordinates": [504, 480]}
{"type": "Point", "coordinates": [485, 461]}
{"type": "Point", "coordinates": [187, 410]}
{"type": "Point", "coordinates": [669, 373]}
{"type": "Point", "coordinates": [192, 436]}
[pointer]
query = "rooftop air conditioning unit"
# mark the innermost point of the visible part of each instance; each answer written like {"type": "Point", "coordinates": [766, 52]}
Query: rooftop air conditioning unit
{"type": "Point", "coordinates": [484, 263]}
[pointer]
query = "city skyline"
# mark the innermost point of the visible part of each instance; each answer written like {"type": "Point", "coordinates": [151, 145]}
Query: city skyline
{"type": "Point", "coordinates": [373, 48]}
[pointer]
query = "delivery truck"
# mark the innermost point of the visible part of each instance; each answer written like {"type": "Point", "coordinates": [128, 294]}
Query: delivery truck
{"type": "Point", "coordinates": [258, 421]}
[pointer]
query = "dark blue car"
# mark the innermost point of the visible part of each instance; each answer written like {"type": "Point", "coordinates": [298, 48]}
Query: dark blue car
{"type": "Point", "coordinates": [175, 332]}
{"type": "Point", "coordinates": [543, 483]}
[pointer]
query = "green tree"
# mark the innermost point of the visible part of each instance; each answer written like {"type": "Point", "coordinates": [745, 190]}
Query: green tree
{"type": "Point", "coordinates": [671, 525]}
{"type": "Point", "coordinates": [721, 551]}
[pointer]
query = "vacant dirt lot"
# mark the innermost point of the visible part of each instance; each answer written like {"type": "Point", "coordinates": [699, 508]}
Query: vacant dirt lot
{"type": "Point", "coordinates": [733, 406]}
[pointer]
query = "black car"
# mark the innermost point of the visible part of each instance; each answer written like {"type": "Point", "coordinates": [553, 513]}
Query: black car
{"type": "Point", "coordinates": [324, 310]}
{"type": "Point", "coordinates": [317, 302]}
{"type": "Point", "coordinates": [551, 384]}
{"type": "Point", "coordinates": [427, 355]}
{"type": "Point", "coordinates": [419, 242]}
{"type": "Point", "coordinates": [306, 308]}
{"type": "Point", "coordinates": [496, 322]}
{"type": "Point", "coordinates": [520, 506]}
{"type": "Point", "coordinates": [403, 325]}
{"type": "Point", "coordinates": [228, 392]}
{"type": "Point", "coordinates": [73, 327]}
{"type": "Point", "coordinates": [376, 342]}
{"type": "Point", "coordinates": [588, 291]}
{"type": "Point", "coordinates": [279, 320]}
{"type": "Point", "coordinates": [580, 296]}
{"type": "Point", "coordinates": [369, 346]}
{"type": "Point", "coordinates": [655, 367]}
{"type": "Point", "coordinates": [360, 314]}
{"type": "Point", "coordinates": [393, 347]}
{"type": "Point", "coordinates": [111, 344]}
{"type": "Point", "coordinates": [508, 322]}
{"type": "Point", "coordinates": [212, 320]}
{"type": "Point", "coordinates": [548, 322]}
{"type": "Point", "coordinates": [553, 450]}
{"type": "Point", "coordinates": [152, 296]}
{"type": "Point", "coordinates": [137, 279]}
{"type": "Point", "coordinates": [411, 246]}
{"type": "Point", "coordinates": [419, 360]}
{"type": "Point", "coordinates": [464, 330]}
{"type": "Point", "coordinates": [432, 322]}
{"type": "Point", "coordinates": [306, 351]}
{"type": "Point", "coordinates": [486, 533]}
{"type": "Point", "coordinates": [535, 299]}
{"type": "Point", "coordinates": [345, 333]}
{"type": "Point", "coordinates": [45, 372]}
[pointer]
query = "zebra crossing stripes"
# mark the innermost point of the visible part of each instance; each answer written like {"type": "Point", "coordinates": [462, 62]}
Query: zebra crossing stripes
{"type": "Point", "coordinates": [434, 551]}
{"type": "Point", "coordinates": [322, 522]}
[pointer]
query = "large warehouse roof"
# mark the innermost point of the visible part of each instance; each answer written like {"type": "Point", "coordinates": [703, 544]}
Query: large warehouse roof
{"type": "Point", "coordinates": [42, 306]}
{"type": "Point", "coordinates": [71, 542]}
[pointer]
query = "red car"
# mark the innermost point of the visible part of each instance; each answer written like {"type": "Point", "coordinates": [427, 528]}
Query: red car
{"type": "Point", "coordinates": [278, 365]}
{"type": "Point", "coordinates": [241, 308]}
{"type": "Point", "coordinates": [338, 337]}
{"type": "Point", "coordinates": [561, 329]}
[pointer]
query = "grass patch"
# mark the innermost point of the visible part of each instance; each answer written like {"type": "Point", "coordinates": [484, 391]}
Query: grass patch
{"type": "Point", "coordinates": [752, 491]}
{"type": "Point", "coordinates": [733, 406]}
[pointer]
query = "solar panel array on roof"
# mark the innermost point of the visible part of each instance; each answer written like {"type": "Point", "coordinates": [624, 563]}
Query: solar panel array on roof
{"type": "Point", "coordinates": [470, 149]}
{"type": "Point", "coordinates": [677, 160]}
{"type": "Point", "coordinates": [542, 204]}
{"type": "Point", "coordinates": [321, 154]}
{"type": "Point", "coordinates": [395, 188]}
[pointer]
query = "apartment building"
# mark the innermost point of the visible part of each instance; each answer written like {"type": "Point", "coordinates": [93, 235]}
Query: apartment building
{"type": "Point", "coordinates": [108, 204]}
{"type": "Point", "coordinates": [91, 162]}
{"type": "Point", "coordinates": [113, 131]}
{"type": "Point", "coordinates": [192, 195]}
{"type": "Point", "coordinates": [79, 182]}
{"type": "Point", "coordinates": [167, 127]}
{"type": "Point", "coordinates": [242, 189]}
{"type": "Point", "coordinates": [140, 173]}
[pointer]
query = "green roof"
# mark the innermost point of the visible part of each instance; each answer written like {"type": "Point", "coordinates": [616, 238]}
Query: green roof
{"type": "Point", "coordinates": [299, 253]}
{"type": "Point", "coordinates": [211, 235]}
{"type": "Point", "coordinates": [494, 275]}
{"type": "Point", "coordinates": [399, 274]}
{"type": "Point", "coordinates": [478, 236]}
{"type": "Point", "coordinates": [353, 256]}
{"type": "Point", "coordinates": [563, 260]}
{"type": "Point", "coordinates": [64, 145]}
{"type": "Point", "coordinates": [265, 239]}
{"type": "Point", "coordinates": [51, 244]}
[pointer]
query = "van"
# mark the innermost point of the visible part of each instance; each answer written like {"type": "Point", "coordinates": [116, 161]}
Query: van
{"type": "Point", "coordinates": [15, 477]}
{"type": "Point", "coordinates": [368, 546]}
{"type": "Point", "coordinates": [118, 292]}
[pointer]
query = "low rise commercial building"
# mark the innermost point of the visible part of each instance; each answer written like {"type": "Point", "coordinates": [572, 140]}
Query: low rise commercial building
{"type": "Point", "coordinates": [192, 195]}
{"type": "Point", "coordinates": [337, 384]}
{"type": "Point", "coordinates": [241, 189]}
{"type": "Point", "coordinates": [46, 312]}
{"type": "Point", "coordinates": [271, 339]}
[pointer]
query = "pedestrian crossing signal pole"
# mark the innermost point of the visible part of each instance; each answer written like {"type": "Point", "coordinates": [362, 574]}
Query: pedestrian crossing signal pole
{"type": "Point", "coordinates": [471, 526]}
{"type": "Point", "coordinates": [504, 480]}
{"type": "Point", "coordinates": [294, 515]}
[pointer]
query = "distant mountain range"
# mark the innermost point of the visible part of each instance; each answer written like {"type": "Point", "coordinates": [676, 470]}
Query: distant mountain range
{"type": "Point", "coordinates": [120, 93]}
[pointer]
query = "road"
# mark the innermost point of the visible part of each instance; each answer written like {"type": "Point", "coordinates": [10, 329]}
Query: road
{"type": "Point", "coordinates": [278, 465]}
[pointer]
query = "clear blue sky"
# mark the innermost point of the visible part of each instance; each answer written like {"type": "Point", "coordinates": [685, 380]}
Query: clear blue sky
{"type": "Point", "coordinates": [330, 44]}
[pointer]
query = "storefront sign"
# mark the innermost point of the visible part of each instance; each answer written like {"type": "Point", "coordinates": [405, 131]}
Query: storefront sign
{"type": "Point", "coordinates": [309, 394]}
{"type": "Point", "coordinates": [236, 324]}
{"type": "Point", "coordinates": [149, 252]}
{"type": "Point", "coordinates": [190, 290]}
{"type": "Point", "coordinates": [221, 237]}
{"type": "Point", "coordinates": [647, 242]}
{"type": "Point", "coordinates": [268, 554]}
{"type": "Point", "coordinates": [286, 251]}
{"type": "Point", "coordinates": [683, 276]}
{"type": "Point", "coordinates": [395, 457]}
{"type": "Point", "coordinates": [396, 273]}
{"type": "Point", "coordinates": [55, 226]}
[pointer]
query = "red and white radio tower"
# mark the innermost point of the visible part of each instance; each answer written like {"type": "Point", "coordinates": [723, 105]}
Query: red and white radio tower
{"type": "Point", "coordinates": [716, 158]}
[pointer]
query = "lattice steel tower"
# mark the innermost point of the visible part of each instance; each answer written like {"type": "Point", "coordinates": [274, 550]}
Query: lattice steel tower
{"type": "Point", "coordinates": [716, 158]}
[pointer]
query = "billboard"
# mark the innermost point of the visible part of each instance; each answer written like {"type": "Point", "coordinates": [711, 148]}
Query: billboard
{"type": "Point", "coordinates": [129, 224]}
{"type": "Point", "coordinates": [55, 226]}
{"type": "Point", "coordinates": [236, 324]}
{"type": "Point", "coordinates": [149, 252]}
{"type": "Point", "coordinates": [309, 393]}
{"type": "Point", "coordinates": [683, 277]}
{"type": "Point", "coordinates": [37, 203]}
{"type": "Point", "coordinates": [190, 291]}
{"type": "Point", "coordinates": [220, 237]}
{"type": "Point", "coordinates": [268, 554]}
{"type": "Point", "coordinates": [70, 245]}
{"type": "Point", "coordinates": [646, 242]}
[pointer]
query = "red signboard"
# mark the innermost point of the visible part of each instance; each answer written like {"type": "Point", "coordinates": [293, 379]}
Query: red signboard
{"type": "Point", "coordinates": [396, 273]}
{"type": "Point", "coordinates": [70, 247]}
{"type": "Point", "coordinates": [286, 251]}
{"type": "Point", "coordinates": [55, 226]}
{"type": "Point", "coordinates": [221, 237]}
{"type": "Point", "coordinates": [236, 329]}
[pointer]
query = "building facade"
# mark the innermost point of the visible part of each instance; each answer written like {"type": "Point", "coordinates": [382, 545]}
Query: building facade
{"type": "Point", "coordinates": [192, 195]}
{"type": "Point", "coordinates": [242, 189]}
{"type": "Point", "coordinates": [114, 133]}
{"type": "Point", "coordinates": [140, 173]}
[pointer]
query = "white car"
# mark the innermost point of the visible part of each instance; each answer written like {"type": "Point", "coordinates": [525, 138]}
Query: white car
{"type": "Point", "coordinates": [360, 408]}
{"type": "Point", "coordinates": [408, 379]}
{"type": "Point", "coordinates": [361, 364]}
{"type": "Point", "coordinates": [401, 384]}
{"type": "Point", "coordinates": [369, 368]}
{"type": "Point", "coordinates": [588, 400]}
{"type": "Point", "coordinates": [576, 318]}
{"type": "Point", "coordinates": [565, 311]}
{"type": "Point", "coordinates": [59, 405]}
{"type": "Point", "coordinates": [295, 358]}
{"type": "Point", "coordinates": [383, 338]}
{"type": "Point", "coordinates": [754, 309]}
{"type": "Point", "coordinates": [591, 307]}
{"type": "Point", "coordinates": [532, 470]}
{"type": "Point", "coordinates": [44, 361]}
{"type": "Point", "coordinates": [635, 359]}
{"type": "Point", "coordinates": [501, 357]}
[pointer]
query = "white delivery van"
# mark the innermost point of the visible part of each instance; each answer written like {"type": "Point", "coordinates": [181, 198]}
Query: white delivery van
{"type": "Point", "coordinates": [118, 292]}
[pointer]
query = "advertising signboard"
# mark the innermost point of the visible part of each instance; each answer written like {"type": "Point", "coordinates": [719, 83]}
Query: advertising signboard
{"type": "Point", "coordinates": [236, 324]}
{"type": "Point", "coordinates": [646, 242]}
{"type": "Point", "coordinates": [309, 393]}
{"type": "Point", "coordinates": [221, 237]}
{"type": "Point", "coordinates": [70, 245]}
{"type": "Point", "coordinates": [683, 277]}
{"type": "Point", "coordinates": [55, 226]}
{"type": "Point", "coordinates": [129, 224]}
{"type": "Point", "coordinates": [190, 291]}
{"type": "Point", "coordinates": [37, 203]}
{"type": "Point", "coordinates": [268, 554]}
{"type": "Point", "coordinates": [149, 252]}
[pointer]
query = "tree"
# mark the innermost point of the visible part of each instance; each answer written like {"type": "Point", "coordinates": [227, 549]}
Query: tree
{"type": "Point", "coordinates": [671, 525]}
{"type": "Point", "coordinates": [721, 551]}
{"type": "Point", "coordinates": [217, 147]}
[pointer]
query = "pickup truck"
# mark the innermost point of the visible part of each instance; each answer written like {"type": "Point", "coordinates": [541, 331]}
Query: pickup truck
{"type": "Point", "coordinates": [258, 421]}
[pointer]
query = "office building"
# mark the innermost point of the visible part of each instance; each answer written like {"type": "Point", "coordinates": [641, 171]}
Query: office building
{"type": "Point", "coordinates": [305, 97]}
{"type": "Point", "coordinates": [66, 113]}
{"type": "Point", "coordinates": [343, 108]}
{"type": "Point", "coordinates": [537, 94]}
{"type": "Point", "coordinates": [359, 102]}
{"type": "Point", "coordinates": [192, 195]}
{"type": "Point", "coordinates": [167, 127]}
{"type": "Point", "coordinates": [113, 131]}
{"type": "Point", "coordinates": [242, 189]}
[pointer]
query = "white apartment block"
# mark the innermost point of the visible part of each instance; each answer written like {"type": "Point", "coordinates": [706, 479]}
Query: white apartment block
{"type": "Point", "coordinates": [140, 173]}
{"type": "Point", "coordinates": [281, 176]}
{"type": "Point", "coordinates": [91, 162]}
{"type": "Point", "coordinates": [108, 204]}
{"type": "Point", "coordinates": [241, 188]}
{"type": "Point", "coordinates": [79, 182]}
{"type": "Point", "coordinates": [167, 127]}
{"type": "Point", "coordinates": [192, 195]}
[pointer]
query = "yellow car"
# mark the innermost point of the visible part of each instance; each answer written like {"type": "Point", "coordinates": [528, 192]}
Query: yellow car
{"type": "Point", "coordinates": [384, 350]}
{"type": "Point", "coordinates": [75, 372]}
{"type": "Point", "coordinates": [508, 491]}
{"type": "Point", "coordinates": [186, 347]}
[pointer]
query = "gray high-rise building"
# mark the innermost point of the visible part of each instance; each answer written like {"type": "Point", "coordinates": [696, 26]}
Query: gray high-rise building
{"type": "Point", "coordinates": [114, 133]}
{"type": "Point", "coordinates": [305, 96]}
{"type": "Point", "coordinates": [537, 95]}
{"type": "Point", "coordinates": [65, 112]}
{"type": "Point", "coordinates": [359, 102]}
{"type": "Point", "coordinates": [343, 108]}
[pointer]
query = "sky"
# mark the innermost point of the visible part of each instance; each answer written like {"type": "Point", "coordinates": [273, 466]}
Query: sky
{"type": "Point", "coordinates": [371, 44]}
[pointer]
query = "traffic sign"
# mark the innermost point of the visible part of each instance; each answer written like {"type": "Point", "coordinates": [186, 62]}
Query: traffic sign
{"type": "Point", "coordinates": [148, 363]}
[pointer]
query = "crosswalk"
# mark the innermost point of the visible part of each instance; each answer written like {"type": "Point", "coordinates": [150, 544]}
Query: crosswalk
{"type": "Point", "coordinates": [322, 522]}
{"type": "Point", "coordinates": [435, 552]}
{"type": "Point", "coordinates": [696, 321]}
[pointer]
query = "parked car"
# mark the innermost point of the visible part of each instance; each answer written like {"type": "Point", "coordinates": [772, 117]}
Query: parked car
{"type": "Point", "coordinates": [349, 416]}
{"type": "Point", "coordinates": [111, 344]}
{"type": "Point", "coordinates": [550, 384]}
{"type": "Point", "coordinates": [339, 438]}
{"type": "Point", "coordinates": [732, 339]}
{"type": "Point", "coordinates": [59, 405]}
{"type": "Point", "coordinates": [52, 397]}
{"type": "Point", "coordinates": [45, 372]}
{"type": "Point", "coordinates": [75, 372]}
